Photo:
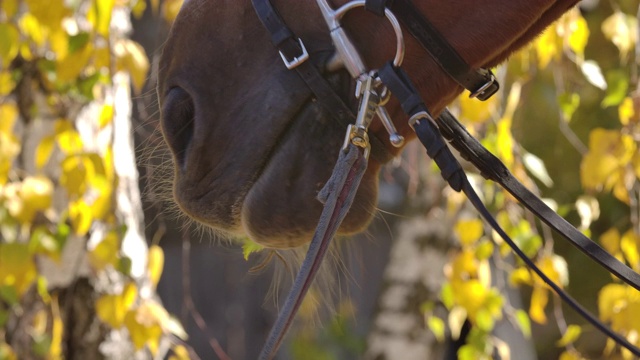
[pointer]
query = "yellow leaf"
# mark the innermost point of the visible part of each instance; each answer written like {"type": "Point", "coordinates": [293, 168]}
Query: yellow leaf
{"type": "Point", "coordinates": [629, 247]}
{"type": "Point", "coordinates": [49, 13]}
{"type": "Point", "coordinates": [474, 111]}
{"type": "Point", "coordinates": [170, 9]}
{"type": "Point", "coordinates": [69, 68]}
{"type": "Point", "coordinates": [100, 197]}
{"type": "Point", "coordinates": [80, 216]}
{"type": "Point", "coordinates": [106, 116]}
{"type": "Point", "coordinates": [7, 84]}
{"type": "Point", "coordinates": [10, 8]}
{"type": "Point", "coordinates": [113, 309]}
{"type": "Point", "coordinates": [138, 8]}
{"type": "Point", "coordinates": [610, 298]}
{"type": "Point", "coordinates": [145, 325]}
{"type": "Point", "coordinates": [470, 295]}
{"type": "Point", "coordinates": [520, 275]}
{"type": "Point", "coordinates": [8, 117]}
{"type": "Point", "coordinates": [57, 330]}
{"type": "Point", "coordinates": [68, 139]}
{"type": "Point", "coordinates": [9, 44]}
{"type": "Point", "coordinates": [6, 352]}
{"type": "Point", "coordinates": [469, 231]}
{"type": "Point", "coordinates": [37, 192]}
{"type": "Point", "coordinates": [107, 252]}
{"type": "Point", "coordinates": [75, 172]}
{"type": "Point", "coordinates": [621, 30]}
{"type": "Point", "coordinates": [626, 111]}
{"type": "Point", "coordinates": [31, 27]}
{"type": "Point", "coordinates": [570, 335]}
{"type": "Point", "coordinates": [103, 9]}
{"type": "Point", "coordinates": [548, 47]}
{"type": "Point", "coordinates": [59, 43]}
{"type": "Point", "coordinates": [17, 268]}
{"type": "Point", "coordinates": [464, 265]}
{"type": "Point", "coordinates": [539, 299]}
{"type": "Point", "coordinates": [130, 57]}
{"type": "Point", "coordinates": [179, 353]}
{"type": "Point", "coordinates": [44, 151]}
{"type": "Point", "coordinates": [610, 240]}
{"type": "Point", "coordinates": [578, 35]}
{"type": "Point", "coordinates": [504, 142]}
{"type": "Point", "coordinates": [155, 264]}
{"type": "Point", "coordinates": [570, 355]}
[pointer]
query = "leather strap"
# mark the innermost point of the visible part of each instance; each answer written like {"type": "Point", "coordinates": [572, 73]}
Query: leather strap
{"type": "Point", "coordinates": [289, 46]}
{"type": "Point", "coordinates": [438, 47]}
{"type": "Point", "coordinates": [490, 166]}
{"type": "Point", "coordinates": [337, 195]}
{"type": "Point", "coordinates": [493, 169]}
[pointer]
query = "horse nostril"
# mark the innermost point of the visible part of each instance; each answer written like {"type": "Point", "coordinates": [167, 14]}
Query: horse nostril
{"type": "Point", "coordinates": [178, 114]}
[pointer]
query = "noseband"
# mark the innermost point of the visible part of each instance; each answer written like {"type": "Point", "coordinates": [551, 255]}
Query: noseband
{"type": "Point", "coordinates": [373, 90]}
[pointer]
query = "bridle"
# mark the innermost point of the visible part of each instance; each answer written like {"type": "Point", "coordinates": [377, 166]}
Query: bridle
{"type": "Point", "coordinates": [373, 89]}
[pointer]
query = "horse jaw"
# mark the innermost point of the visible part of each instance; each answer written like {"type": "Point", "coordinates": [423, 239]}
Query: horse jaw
{"type": "Point", "coordinates": [251, 149]}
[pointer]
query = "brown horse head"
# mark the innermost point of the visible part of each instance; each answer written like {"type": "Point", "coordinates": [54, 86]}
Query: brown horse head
{"type": "Point", "coordinates": [250, 144]}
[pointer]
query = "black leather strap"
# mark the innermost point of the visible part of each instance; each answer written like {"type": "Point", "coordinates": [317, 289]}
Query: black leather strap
{"type": "Point", "coordinates": [289, 45]}
{"type": "Point", "coordinates": [493, 169]}
{"type": "Point", "coordinates": [438, 47]}
{"type": "Point", "coordinates": [376, 6]}
{"type": "Point", "coordinates": [399, 84]}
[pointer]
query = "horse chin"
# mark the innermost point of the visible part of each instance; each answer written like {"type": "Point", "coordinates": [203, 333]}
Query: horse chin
{"type": "Point", "coordinates": [276, 204]}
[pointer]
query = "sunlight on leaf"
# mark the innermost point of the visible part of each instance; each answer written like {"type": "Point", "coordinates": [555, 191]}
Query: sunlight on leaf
{"type": "Point", "coordinates": [522, 319]}
{"type": "Point", "coordinates": [569, 103]}
{"type": "Point", "coordinates": [155, 264]}
{"type": "Point", "coordinates": [437, 327]}
{"type": "Point", "coordinates": [621, 30]}
{"type": "Point", "coordinates": [593, 73]}
{"type": "Point", "coordinates": [572, 334]}
{"type": "Point", "coordinates": [106, 253]}
{"type": "Point", "coordinates": [469, 231]}
{"type": "Point", "coordinates": [112, 309]}
{"type": "Point", "coordinates": [626, 111]}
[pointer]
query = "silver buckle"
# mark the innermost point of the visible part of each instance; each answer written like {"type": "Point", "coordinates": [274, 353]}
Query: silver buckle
{"type": "Point", "coordinates": [484, 87]}
{"type": "Point", "coordinates": [296, 60]}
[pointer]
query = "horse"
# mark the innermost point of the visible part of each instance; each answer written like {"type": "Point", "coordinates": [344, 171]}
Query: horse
{"type": "Point", "coordinates": [250, 144]}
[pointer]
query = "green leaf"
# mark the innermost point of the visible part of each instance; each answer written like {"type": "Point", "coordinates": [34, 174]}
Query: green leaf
{"type": "Point", "coordinates": [436, 325]}
{"type": "Point", "coordinates": [78, 42]}
{"type": "Point", "coordinates": [572, 334]}
{"type": "Point", "coordinates": [249, 247]}
{"type": "Point", "coordinates": [618, 81]}
{"type": "Point", "coordinates": [484, 320]}
{"type": "Point", "coordinates": [569, 103]}
{"type": "Point", "coordinates": [446, 295]}
{"type": "Point", "coordinates": [522, 319]}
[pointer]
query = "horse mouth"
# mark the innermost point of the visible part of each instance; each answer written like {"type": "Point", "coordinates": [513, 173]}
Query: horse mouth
{"type": "Point", "coordinates": [263, 184]}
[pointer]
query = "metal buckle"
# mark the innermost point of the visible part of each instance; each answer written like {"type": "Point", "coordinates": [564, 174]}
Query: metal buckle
{"type": "Point", "coordinates": [480, 93]}
{"type": "Point", "coordinates": [296, 60]}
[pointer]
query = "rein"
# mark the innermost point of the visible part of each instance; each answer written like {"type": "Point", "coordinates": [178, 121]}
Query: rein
{"type": "Point", "coordinates": [373, 90]}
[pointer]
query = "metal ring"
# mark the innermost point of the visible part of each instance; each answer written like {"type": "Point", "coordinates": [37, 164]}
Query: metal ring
{"type": "Point", "coordinates": [399, 57]}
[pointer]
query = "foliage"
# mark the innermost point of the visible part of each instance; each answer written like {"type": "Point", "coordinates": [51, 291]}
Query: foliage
{"type": "Point", "coordinates": [58, 60]}
{"type": "Point", "coordinates": [568, 55]}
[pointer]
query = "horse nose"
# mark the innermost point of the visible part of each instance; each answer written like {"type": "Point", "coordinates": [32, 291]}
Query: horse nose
{"type": "Point", "coordinates": [178, 118]}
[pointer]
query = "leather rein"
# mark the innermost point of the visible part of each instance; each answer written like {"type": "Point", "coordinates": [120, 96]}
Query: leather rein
{"type": "Point", "coordinates": [373, 90]}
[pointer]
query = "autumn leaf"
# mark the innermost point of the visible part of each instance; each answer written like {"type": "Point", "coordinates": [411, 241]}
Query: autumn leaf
{"type": "Point", "coordinates": [112, 309]}
{"type": "Point", "coordinates": [621, 30]}
{"type": "Point", "coordinates": [17, 267]}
